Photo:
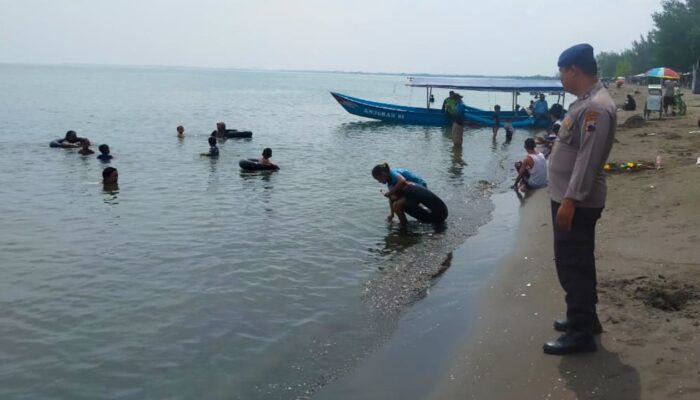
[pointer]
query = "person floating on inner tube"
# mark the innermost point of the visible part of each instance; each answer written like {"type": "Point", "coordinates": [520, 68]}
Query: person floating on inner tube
{"type": "Point", "coordinates": [265, 159]}
{"type": "Point", "coordinates": [70, 141]}
{"type": "Point", "coordinates": [213, 150]}
{"type": "Point", "coordinates": [396, 180]}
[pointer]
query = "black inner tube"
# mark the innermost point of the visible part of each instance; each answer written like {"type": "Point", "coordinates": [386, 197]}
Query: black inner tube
{"type": "Point", "coordinates": [424, 205]}
{"type": "Point", "coordinates": [252, 164]}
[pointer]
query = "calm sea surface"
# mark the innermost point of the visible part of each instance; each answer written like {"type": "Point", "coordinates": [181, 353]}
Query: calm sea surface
{"type": "Point", "coordinates": [195, 280]}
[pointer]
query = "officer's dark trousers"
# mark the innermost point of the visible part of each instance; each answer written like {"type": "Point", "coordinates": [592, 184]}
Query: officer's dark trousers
{"type": "Point", "coordinates": [575, 262]}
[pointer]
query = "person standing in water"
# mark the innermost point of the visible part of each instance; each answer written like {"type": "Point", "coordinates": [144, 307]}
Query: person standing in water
{"type": "Point", "coordinates": [396, 180]}
{"type": "Point", "coordinates": [110, 179]}
{"type": "Point", "coordinates": [496, 120]}
{"type": "Point", "coordinates": [577, 190]}
{"type": "Point", "coordinates": [104, 153]}
{"type": "Point", "coordinates": [458, 121]}
{"type": "Point", "coordinates": [213, 149]}
{"type": "Point", "coordinates": [180, 131]}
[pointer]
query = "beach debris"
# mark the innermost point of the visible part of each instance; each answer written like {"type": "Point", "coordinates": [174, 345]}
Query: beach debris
{"type": "Point", "coordinates": [629, 166]}
{"type": "Point", "coordinates": [698, 161]}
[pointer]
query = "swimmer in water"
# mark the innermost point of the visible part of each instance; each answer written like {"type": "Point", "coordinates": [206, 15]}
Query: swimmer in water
{"type": "Point", "coordinates": [110, 178]}
{"type": "Point", "coordinates": [265, 159]}
{"type": "Point", "coordinates": [104, 156]}
{"type": "Point", "coordinates": [180, 131]}
{"type": "Point", "coordinates": [85, 148]}
{"type": "Point", "coordinates": [70, 141]}
{"type": "Point", "coordinates": [396, 179]}
{"type": "Point", "coordinates": [213, 150]}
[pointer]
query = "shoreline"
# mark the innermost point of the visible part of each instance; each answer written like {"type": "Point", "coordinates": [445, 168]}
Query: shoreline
{"type": "Point", "coordinates": [648, 274]}
{"type": "Point", "coordinates": [415, 357]}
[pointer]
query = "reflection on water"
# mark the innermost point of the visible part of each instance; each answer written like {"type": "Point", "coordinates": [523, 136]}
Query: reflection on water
{"type": "Point", "coordinates": [396, 241]}
{"type": "Point", "coordinates": [457, 167]}
{"type": "Point", "coordinates": [111, 190]}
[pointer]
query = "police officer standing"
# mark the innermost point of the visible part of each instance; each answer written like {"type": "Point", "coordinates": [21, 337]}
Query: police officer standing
{"type": "Point", "coordinates": [577, 190]}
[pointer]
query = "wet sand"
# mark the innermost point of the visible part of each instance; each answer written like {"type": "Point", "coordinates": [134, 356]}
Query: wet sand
{"type": "Point", "coordinates": [649, 279]}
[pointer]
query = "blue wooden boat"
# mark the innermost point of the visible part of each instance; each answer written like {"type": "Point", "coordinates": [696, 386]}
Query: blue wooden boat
{"type": "Point", "coordinates": [432, 117]}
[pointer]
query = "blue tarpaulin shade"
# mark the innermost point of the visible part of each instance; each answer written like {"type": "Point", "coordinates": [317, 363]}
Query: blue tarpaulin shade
{"type": "Point", "coordinates": [488, 84]}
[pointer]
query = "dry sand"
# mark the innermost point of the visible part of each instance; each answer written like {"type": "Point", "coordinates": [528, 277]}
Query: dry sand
{"type": "Point", "coordinates": [648, 261]}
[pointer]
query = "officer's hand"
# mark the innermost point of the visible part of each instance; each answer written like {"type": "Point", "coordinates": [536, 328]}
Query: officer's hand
{"type": "Point", "coordinates": [565, 214]}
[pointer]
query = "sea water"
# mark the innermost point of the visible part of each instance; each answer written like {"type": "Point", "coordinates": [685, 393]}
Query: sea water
{"type": "Point", "coordinates": [197, 280]}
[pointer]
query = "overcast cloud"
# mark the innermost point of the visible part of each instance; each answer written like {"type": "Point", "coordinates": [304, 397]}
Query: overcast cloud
{"type": "Point", "coordinates": [506, 37]}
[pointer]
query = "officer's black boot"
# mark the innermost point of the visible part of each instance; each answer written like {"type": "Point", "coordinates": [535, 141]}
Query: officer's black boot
{"type": "Point", "coordinates": [571, 342]}
{"type": "Point", "coordinates": [563, 325]}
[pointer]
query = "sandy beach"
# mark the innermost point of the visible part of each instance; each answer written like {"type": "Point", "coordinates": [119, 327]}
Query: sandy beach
{"type": "Point", "coordinates": [648, 274]}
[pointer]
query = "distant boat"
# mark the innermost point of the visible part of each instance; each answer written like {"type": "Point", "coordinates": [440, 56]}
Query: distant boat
{"type": "Point", "coordinates": [435, 117]}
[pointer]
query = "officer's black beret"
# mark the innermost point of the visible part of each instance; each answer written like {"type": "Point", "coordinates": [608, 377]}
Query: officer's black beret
{"type": "Point", "coordinates": [579, 55]}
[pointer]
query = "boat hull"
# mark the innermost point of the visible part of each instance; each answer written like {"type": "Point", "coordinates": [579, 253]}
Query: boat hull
{"type": "Point", "coordinates": [424, 116]}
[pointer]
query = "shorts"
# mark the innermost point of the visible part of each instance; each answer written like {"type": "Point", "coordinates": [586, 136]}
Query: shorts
{"type": "Point", "coordinates": [668, 101]}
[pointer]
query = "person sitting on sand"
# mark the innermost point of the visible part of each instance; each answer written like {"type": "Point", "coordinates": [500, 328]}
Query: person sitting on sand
{"type": "Point", "coordinates": [104, 153]}
{"type": "Point", "coordinates": [630, 104]}
{"type": "Point", "coordinates": [180, 131]}
{"type": "Point", "coordinates": [85, 148]}
{"type": "Point", "coordinates": [110, 177]}
{"type": "Point", "coordinates": [71, 140]}
{"type": "Point", "coordinates": [213, 150]}
{"type": "Point", "coordinates": [396, 179]}
{"type": "Point", "coordinates": [532, 170]}
{"type": "Point", "coordinates": [265, 159]}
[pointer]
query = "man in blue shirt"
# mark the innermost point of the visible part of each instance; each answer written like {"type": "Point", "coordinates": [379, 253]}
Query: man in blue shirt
{"type": "Point", "coordinates": [541, 112]}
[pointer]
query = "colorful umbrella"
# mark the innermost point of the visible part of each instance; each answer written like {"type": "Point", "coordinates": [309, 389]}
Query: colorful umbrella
{"type": "Point", "coordinates": [663, 72]}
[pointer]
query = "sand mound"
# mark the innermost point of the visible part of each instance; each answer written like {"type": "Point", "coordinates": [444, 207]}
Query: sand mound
{"type": "Point", "coordinates": [635, 121]}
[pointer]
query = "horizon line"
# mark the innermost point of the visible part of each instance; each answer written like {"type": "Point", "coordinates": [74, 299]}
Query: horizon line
{"type": "Point", "coordinates": [318, 71]}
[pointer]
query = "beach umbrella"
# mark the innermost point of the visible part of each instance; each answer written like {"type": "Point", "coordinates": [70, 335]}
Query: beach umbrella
{"type": "Point", "coordinates": [662, 72]}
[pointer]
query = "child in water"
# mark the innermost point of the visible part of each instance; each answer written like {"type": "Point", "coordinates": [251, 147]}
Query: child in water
{"type": "Point", "coordinates": [85, 148]}
{"type": "Point", "coordinates": [110, 177]}
{"type": "Point", "coordinates": [213, 150]}
{"type": "Point", "coordinates": [265, 159]}
{"type": "Point", "coordinates": [396, 179]}
{"type": "Point", "coordinates": [509, 130]}
{"type": "Point", "coordinates": [104, 156]}
{"type": "Point", "coordinates": [180, 131]}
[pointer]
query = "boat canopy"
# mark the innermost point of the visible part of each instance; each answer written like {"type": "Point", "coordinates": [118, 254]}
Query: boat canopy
{"type": "Point", "coordinates": [488, 84]}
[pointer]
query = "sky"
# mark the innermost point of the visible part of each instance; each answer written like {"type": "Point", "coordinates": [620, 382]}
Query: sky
{"type": "Point", "coordinates": [505, 37]}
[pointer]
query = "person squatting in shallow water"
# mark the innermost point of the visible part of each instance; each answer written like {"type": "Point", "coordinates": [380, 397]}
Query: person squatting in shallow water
{"type": "Point", "coordinates": [396, 180]}
{"type": "Point", "coordinates": [577, 190]}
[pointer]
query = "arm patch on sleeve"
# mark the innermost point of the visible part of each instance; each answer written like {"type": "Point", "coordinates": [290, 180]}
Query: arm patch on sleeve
{"type": "Point", "coordinates": [590, 119]}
